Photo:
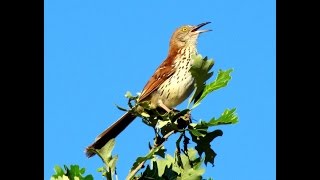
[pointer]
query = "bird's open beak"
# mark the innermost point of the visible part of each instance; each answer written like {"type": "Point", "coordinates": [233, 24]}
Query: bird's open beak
{"type": "Point", "coordinates": [196, 28]}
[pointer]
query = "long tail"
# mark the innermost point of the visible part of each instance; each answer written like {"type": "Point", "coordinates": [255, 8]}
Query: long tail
{"type": "Point", "coordinates": [111, 132]}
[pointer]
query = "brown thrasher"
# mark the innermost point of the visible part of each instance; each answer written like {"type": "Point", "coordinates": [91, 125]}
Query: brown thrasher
{"type": "Point", "coordinates": [169, 86]}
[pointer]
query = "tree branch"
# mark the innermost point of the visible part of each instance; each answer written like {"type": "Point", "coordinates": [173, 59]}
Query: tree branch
{"type": "Point", "coordinates": [161, 141]}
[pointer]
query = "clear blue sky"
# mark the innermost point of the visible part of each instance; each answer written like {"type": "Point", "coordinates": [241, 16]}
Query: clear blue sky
{"type": "Point", "coordinates": [97, 50]}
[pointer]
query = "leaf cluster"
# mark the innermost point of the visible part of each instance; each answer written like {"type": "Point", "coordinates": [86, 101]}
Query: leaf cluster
{"type": "Point", "coordinates": [186, 162]}
{"type": "Point", "coordinates": [176, 121]}
{"type": "Point", "coordinates": [74, 172]}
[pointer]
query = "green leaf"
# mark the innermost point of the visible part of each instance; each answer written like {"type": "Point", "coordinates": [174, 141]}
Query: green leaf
{"type": "Point", "coordinates": [82, 170]}
{"type": "Point", "coordinates": [128, 95]}
{"type": "Point", "coordinates": [108, 159]}
{"type": "Point", "coordinates": [203, 145]}
{"type": "Point", "coordinates": [72, 173]}
{"type": "Point", "coordinates": [168, 168]}
{"type": "Point", "coordinates": [140, 160]}
{"type": "Point", "coordinates": [161, 152]}
{"type": "Point", "coordinates": [169, 173]}
{"type": "Point", "coordinates": [168, 128]}
{"type": "Point", "coordinates": [88, 177]}
{"type": "Point", "coordinates": [179, 114]}
{"type": "Point", "coordinates": [200, 71]}
{"type": "Point", "coordinates": [227, 117]}
{"type": "Point", "coordinates": [196, 132]}
{"type": "Point", "coordinates": [197, 163]}
{"type": "Point", "coordinates": [187, 159]}
{"type": "Point", "coordinates": [63, 177]}
{"type": "Point", "coordinates": [162, 164]}
{"type": "Point", "coordinates": [191, 166]}
{"type": "Point", "coordinates": [59, 171]}
{"type": "Point", "coordinates": [191, 174]}
{"type": "Point", "coordinates": [105, 171]}
{"type": "Point", "coordinates": [101, 169]}
{"type": "Point", "coordinates": [202, 125]}
{"type": "Point", "coordinates": [105, 151]}
{"type": "Point", "coordinates": [146, 157]}
{"type": "Point", "coordinates": [112, 163]}
{"type": "Point", "coordinates": [150, 173]}
{"type": "Point", "coordinates": [221, 81]}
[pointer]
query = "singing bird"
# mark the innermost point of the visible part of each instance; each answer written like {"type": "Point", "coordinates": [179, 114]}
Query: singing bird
{"type": "Point", "coordinates": [170, 84]}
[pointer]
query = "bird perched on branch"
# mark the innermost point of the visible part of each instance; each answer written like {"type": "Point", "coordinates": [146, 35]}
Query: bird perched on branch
{"type": "Point", "coordinates": [169, 86]}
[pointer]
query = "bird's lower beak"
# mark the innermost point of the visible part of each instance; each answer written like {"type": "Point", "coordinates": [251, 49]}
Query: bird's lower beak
{"type": "Point", "coordinates": [197, 28]}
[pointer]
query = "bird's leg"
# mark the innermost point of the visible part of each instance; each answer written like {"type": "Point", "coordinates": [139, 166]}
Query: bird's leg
{"type": "Point", "coordinates": [163, 106]}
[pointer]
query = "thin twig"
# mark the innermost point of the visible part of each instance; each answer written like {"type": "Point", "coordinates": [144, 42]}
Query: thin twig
{"type": "Point", "coordinates": [133, 172]}
{"type": "Point", "coordinates": [178, 150]}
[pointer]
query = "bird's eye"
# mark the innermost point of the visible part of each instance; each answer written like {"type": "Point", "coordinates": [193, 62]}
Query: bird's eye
{"type": "Point", "coordinates": [184, 29]}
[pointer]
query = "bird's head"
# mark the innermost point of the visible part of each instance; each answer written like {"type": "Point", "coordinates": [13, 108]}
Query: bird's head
{"type": "Point", "coordinates": [187, 35]}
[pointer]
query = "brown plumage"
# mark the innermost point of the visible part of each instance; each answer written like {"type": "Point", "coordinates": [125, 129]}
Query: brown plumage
{"type": "Point", "coordinates": [170, 84]}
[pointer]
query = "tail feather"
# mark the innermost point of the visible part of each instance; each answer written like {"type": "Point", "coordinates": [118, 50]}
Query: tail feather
{"type": "Point", "coordinates": [111, 132]}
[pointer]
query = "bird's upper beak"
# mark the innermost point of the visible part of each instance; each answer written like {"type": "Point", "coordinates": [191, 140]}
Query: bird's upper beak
{"type": "Point", "coordinates": [197, 28]}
